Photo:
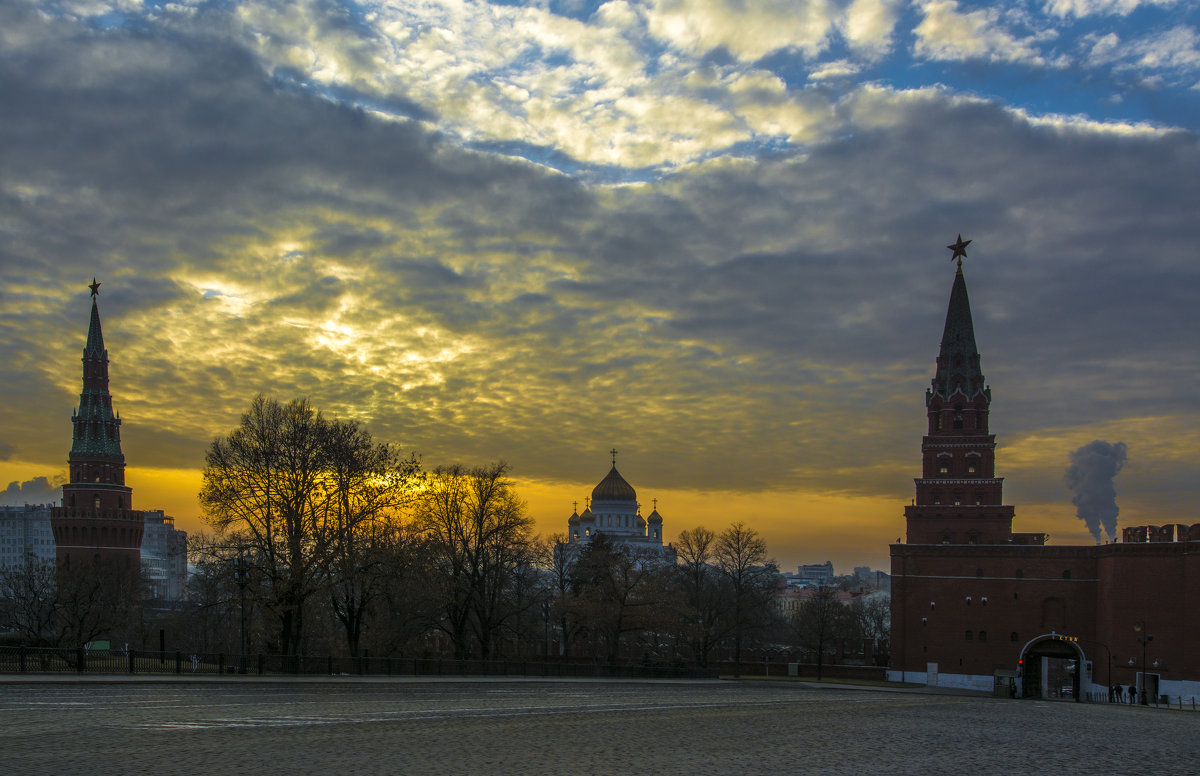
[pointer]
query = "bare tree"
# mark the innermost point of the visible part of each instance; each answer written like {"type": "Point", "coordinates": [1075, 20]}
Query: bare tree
{"type": "Point", "coordinates": [29, 594]}
{"type": "Point", "coordinates": [615, 592]}
{"type": "Point", "coordinates": [295, 492]}
{"type": "Point", "coordinates": [479, 538]}
{"type": "Point", "coordinates": [369, 484]}
{"type": "Point", "coordinates": [741, 556]}
{"type": "Point", "coordinates": [705, 600]}
{"type": "Point", "coordinates": [554, 555]}
{"type": "Point", "coordinates": [821, 621]}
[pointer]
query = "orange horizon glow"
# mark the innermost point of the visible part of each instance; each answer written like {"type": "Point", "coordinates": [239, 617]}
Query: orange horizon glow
{"type": "Point", "coordinates": [799, 526]}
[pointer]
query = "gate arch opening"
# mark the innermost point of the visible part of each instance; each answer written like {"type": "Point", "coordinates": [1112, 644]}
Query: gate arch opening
{"type": "Point", "coordinates": [1054, 667]}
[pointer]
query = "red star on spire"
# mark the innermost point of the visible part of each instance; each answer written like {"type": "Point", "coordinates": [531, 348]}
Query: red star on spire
{"type": "Point", "coordinates": [960, 250]}
{"type": "Point", "coordinates": [95, 286]}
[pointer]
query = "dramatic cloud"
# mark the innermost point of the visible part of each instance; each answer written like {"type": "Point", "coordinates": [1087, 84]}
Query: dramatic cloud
{"type": "Point", "coordinates": [711, 239]}
{"type": "Point", "coordinates": [1090, 478]}
{"type": "Point", "coordinates": [39, 490]}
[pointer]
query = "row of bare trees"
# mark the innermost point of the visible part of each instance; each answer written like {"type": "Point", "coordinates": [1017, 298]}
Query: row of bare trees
{"type": "Point", "coordinates": [326, 541]}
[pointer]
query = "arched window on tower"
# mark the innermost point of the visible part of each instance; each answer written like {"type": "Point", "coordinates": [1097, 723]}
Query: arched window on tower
{"type": "Point", "coordinates": [958, 416]}
{"type": "Point", "coordinates": [96, 501]}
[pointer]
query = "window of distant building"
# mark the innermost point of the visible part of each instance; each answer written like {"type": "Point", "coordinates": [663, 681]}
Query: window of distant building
{"type": "Point", "coordinates": [1013, 637]}
{"type": "Point", "coordinates": [970, 636]}
{"type": "Point", "coordinates": [1019, 574]}
{"type": "Point", "coordinates": [1066, 574]}
{"type": "Point", "coordinates": [983, 635]}
{"type": "Point", "coordinates": [978, 572]}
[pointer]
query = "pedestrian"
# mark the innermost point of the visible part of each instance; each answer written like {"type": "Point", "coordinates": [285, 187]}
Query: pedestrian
{"type": "Point", "coordinates": [1133, 693]}
{"type": "Point", "coordinates": [1112, 693]}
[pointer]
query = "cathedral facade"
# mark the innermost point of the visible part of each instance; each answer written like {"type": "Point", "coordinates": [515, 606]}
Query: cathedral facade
{"type": "Point", "coordinates": [613, 510]}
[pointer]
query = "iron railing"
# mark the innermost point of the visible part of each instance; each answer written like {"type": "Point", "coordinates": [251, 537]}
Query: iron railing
{"type": "Point", "coordinates": [119, 661]}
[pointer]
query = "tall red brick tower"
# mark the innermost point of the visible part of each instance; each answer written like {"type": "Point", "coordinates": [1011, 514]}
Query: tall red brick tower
{"type": "Point", "coordinates": [959, 497]}
{"type": "Point", "coordinates": [96, 522]}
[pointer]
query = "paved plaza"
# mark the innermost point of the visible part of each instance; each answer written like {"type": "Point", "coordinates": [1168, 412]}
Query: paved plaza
{"type": "Point", "coordinates": [289, 727]}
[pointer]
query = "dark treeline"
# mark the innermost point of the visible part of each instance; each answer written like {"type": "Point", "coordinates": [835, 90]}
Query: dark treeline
{"type": "Point", "coordinates": [324, 541]}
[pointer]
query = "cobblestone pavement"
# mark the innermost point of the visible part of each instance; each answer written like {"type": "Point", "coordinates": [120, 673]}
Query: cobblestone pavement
{"type": "Point", "coordinates": [569, 727]}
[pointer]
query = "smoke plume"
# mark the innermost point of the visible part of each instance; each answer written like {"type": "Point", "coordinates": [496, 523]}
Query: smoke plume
{"type": "Point", "coordinates": [1090, 478]}
{"type": "Point", "coordinates": [39, 490]}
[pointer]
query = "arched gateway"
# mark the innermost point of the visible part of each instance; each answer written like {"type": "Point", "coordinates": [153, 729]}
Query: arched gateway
{"type": "Point", "coordinates": [1054, 666]}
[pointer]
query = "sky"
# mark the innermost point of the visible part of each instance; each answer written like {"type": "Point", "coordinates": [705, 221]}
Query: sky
{"type": "Point", "coordinates": [707, 233]}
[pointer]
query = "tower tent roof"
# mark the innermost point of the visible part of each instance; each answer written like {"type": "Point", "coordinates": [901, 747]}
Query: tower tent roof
{"type": "Point", "coordinates": [958, 360]}
{"type": "Point", "coordinates": [95, 337]}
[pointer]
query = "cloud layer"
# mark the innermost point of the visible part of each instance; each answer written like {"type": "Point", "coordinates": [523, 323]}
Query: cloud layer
{"type": "Point", "coordinates": [708, 234]}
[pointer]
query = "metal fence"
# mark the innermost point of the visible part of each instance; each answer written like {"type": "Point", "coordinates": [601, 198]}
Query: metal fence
{"type": "Point", "coordinates": [57, 661]}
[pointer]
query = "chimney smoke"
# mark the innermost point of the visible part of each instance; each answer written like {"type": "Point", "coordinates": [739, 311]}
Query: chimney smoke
{"type": "Point", "coordinates": [1090, 479]}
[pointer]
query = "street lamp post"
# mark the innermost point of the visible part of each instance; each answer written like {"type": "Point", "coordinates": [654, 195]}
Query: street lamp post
{"type": "Point", "coordinates": [1144, 639]}
{"type": "Point", "coordinates": [241, 581]}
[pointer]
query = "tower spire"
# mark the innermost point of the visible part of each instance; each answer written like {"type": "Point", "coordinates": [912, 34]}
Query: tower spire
{"type": "Point", "coordinates": [96, 518]}
{"type": "Point", "coordinates": [958, 368]}
{"type": "Point", "coordinates": [959, 498]}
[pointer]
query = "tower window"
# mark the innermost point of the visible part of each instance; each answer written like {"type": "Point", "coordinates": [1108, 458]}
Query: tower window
{"type": "Point", "coordinates": [970, 636]}
{"type": "Point", "coordinates": [978, 572]}
{"type": "Point", "coordinates": [1019, 574]}
{"type": "Point", "coordinates": [983, 635]}
{"type": "Point", "coordinates": [944, 467]}
{"type": "Point", "coordinates": [972, 467]}
{"type": "Point", "coordinates": [1066, 574]}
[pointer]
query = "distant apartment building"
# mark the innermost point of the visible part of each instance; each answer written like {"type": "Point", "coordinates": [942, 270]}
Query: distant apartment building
{"type": "Point", "coordinates": [25, 531]}
{"type": "Point", "coordinates": [817, 573]}
{"type": "Point", "coordinates": [164, 558]}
